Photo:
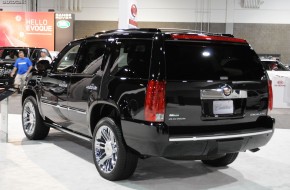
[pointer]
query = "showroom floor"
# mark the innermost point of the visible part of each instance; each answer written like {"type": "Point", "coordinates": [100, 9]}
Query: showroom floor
{"type": "Point", "coordinates": [64, 162]}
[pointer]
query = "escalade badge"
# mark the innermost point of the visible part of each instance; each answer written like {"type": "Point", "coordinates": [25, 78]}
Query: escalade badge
{"type": "Point", "coordinates": [227, 90]}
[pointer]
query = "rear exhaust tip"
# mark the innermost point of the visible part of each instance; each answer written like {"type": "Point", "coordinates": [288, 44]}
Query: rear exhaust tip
{"type": "Point", "coordinates": [254, 150]}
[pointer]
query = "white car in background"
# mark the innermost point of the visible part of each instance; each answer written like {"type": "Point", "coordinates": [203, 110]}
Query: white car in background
{"type": "Point", "coordinates": [274, 65]}
{"type": "Point", "coordinates": [53, 54]}
{"type": "Point", "coordinates": [280, 76]}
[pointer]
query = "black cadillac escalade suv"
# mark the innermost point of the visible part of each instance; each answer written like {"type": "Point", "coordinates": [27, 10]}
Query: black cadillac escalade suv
{"type": "Point", "coordinates": [137, 93]}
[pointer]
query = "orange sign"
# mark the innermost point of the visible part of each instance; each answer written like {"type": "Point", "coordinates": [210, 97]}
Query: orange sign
{"type": "Point", "coordinates": [27, 29]}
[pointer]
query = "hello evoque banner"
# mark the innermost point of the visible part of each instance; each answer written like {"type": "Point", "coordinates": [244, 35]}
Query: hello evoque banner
{"type": "Point", "coordinates": [27, 29]}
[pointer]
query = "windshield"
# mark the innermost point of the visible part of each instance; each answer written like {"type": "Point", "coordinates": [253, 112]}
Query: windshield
{"type": "Point", "coordinates": [11, 53]}
{"type": "Point", "coordinates": [211, 61]}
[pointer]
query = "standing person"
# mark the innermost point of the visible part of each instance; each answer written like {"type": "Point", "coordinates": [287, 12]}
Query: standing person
{"type": "Point", "coordinates": [23, 66]}
{"type": "Point", "coordinates": [43, 56]}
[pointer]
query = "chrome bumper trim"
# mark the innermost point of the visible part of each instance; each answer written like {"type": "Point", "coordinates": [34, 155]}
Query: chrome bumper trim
{"type": "Point", "coordinates": [203, 138]}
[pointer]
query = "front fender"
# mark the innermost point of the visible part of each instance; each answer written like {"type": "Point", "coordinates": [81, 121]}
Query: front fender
{"type": "Point", "coordinates": [32, 88]}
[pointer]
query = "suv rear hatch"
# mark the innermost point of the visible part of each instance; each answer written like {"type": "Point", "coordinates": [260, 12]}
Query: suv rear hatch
{"type": "Point", "coordinates": [214, 85]}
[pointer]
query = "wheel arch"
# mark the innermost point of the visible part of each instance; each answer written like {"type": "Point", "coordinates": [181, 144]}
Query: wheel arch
{"type": "Point", "coordinates": [103, 109]}
{"type": "Point", "coordinates": [26, 93]}
{"type": "Point", "coordinates": [31, 92]}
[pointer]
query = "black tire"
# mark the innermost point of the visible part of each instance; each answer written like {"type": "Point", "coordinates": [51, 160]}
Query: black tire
{"type": "Point", "coordinates": [223, 161]}
{"type": "Point", "coordinates": [33, 126]}
{"type": "Point", "coordinates": [124, 160]}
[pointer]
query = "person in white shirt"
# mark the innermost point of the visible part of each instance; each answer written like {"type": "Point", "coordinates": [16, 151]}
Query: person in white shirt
{"type": "Point", "coordinates": [11, 56]}
{"type": "Point", "coordinates": [43, 56]}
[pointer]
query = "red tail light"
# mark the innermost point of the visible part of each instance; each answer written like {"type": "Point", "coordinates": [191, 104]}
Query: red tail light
{"type": "Point", "coordinates": [270, 98]}
{"type": "Point", "coordinates": [155, 101]}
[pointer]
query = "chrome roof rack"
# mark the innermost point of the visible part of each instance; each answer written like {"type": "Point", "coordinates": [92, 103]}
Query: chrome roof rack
{"type": "Point", "coordinates": [98, 33]}
{"type": "Point", "coordinates": [129, 30]}
{"type": "Point", "coordinates": [179, 30]}
{"type": "Point", "coordinates": [165, 30]}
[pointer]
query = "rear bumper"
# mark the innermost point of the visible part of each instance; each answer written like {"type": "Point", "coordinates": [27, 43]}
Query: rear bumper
{"type": "Point", "coordinates": [156, 141]}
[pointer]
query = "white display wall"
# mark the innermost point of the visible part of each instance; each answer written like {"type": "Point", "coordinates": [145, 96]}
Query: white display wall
{"type": "Point", "coordinates": [215, 11]}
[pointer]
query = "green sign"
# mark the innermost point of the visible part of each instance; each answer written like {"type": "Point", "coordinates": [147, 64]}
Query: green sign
{"type": "Point", "coordinates": [63, 24]}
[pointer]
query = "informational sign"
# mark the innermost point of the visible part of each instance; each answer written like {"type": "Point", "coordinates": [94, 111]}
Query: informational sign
{"type": "Point", "coordinates": [27, 29]}
{"type": "Point", "coordinates": [4, 120]}
{"type": "Point", "coordinates": [15, 2]}
{"type": "Point", "coordinates": [281, 88]}
{"type": "Point", "coordinates": [4, 94]}
{"type": "Point", "coordinates": [128, 11]}
{"type": "Point", "coordinates": [64, 29]}
{"type": "Point", "coordinates": [287, 91]}
{"type": "Point", "coordinates": [133, 14]}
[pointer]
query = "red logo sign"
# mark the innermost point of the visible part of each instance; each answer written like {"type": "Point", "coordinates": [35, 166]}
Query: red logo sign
{"type": "Point", "coordinates": [134, 10]}
{"type": "Point", "coordinates": [280, 82]}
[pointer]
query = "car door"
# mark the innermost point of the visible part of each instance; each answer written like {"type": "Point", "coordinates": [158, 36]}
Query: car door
{"type": "Point", "coordinates": [54, 86]}
{"type": "Point", "coordinates": [35, 54]}
{"type": "Point", "coordinates": [84, 83]}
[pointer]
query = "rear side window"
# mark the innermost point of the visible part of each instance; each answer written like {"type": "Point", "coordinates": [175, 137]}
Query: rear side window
{"type": "Point", "coordinates": [132, 59]}
{"type": "Point", "coordinates": [211, 61]}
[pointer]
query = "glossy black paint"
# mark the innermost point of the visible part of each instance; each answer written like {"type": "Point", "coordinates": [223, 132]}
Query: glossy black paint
{"type": "Point", "coordinates": [76, 101]}
{"type": "Point", "coordinates": [152, 139]}
{"type": "Point", "coordinates": [183, 98]}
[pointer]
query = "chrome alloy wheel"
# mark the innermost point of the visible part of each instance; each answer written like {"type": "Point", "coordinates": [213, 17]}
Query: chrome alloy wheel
{"type": "Point", "coordinates": [106, 149]}
{"type": "Point", "coordinates": [29, 118]}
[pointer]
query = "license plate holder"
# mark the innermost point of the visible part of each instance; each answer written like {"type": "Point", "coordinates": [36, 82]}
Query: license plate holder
{"type": "Point", "coordinates": [222, 107]}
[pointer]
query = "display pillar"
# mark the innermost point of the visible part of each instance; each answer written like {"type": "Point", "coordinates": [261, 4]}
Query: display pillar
{"type": "Point", "coordinates": [4, 121]}
{"type": "Point", "coordinates": [230, 17]}
{"type": "Point", "coordinates": [127, 14]}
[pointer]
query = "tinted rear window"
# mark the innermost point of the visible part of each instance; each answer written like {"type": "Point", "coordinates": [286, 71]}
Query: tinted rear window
{"type": "Point", "coordinates": [211, 61]}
